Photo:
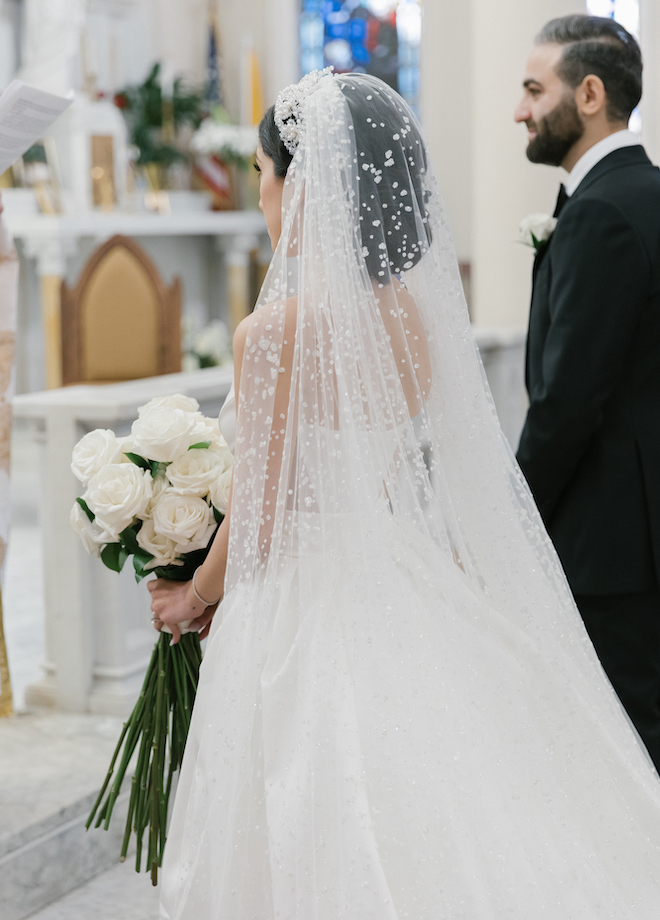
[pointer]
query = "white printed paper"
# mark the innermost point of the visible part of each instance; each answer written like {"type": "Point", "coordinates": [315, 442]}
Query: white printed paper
{"type": "Point", "coordinates": [26, 113]}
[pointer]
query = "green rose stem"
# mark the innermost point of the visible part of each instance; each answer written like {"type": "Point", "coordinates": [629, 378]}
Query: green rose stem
{"type": "Point", "coordinates": [159, 724]}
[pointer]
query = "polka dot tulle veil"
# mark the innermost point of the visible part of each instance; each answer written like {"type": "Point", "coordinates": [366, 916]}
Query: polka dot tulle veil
{"type": "Point", "coordinates": [400, 714]}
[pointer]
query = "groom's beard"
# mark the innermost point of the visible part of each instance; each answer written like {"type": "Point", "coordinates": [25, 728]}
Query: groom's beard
{"type": "Point", "coordinates": [556, 134]}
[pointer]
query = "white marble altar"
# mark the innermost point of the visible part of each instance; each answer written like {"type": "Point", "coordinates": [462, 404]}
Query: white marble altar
{"type": "Point", "coordinates": [209, 250]}
{"type": "Point", "coordinates": [97, 631]}
{"type": "Point", "coordinates": [503, 354]}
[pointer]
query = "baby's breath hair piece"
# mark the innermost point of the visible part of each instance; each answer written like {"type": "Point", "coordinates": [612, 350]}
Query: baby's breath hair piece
{"type": "Point", "coordinates": [289, 116]}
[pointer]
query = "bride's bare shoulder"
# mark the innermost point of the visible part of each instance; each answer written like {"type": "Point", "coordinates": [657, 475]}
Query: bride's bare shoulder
{"type": "Point", "coordinates": [266, 321]}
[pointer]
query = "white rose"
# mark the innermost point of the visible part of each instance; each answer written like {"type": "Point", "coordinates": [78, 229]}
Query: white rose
{"type": "Point", "coordinates": [92, 452]}
{"type": "Point", "coordinates": [220, 447]}
{"type": "Point", "coordinates": [163, 433]}
{"type": "Point", "coordinates": [118, 494]}
{"type": "Point", "coordinates": [93, 537]}
{"type": "Point", "coordinates": [208, 429]}
{"type": "Point", "coordinates": [536, 229]}
{"type": "Point", "coordinates": [219, 492]}
{"type": "Point", "coordinates": [158, 485]}
{"type": "Point", "coordinates": [194, 472]}
{"type": "Point", "coordinates": [186, 519]}
{"type": "Point", "coordinates": [178, 401]}
{"type": "Point", "coordinates": [127, 446]}
{"type": "Point", "coordinates": [161, 548]}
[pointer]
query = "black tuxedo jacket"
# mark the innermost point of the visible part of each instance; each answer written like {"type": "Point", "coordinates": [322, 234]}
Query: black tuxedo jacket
{"type": "Point", "coordinates": [590, 448]}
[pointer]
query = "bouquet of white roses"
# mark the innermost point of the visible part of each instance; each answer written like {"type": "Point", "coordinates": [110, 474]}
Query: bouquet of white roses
{"type": "Point", "coordinates": [157, 495]}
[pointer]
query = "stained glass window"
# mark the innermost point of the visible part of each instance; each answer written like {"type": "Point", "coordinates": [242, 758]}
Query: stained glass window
{"type": "Point", "coordinates": [378, 37]}
{"type": "Point", "coordinates": [627, 13]}
{"type": "Point", "coordinates": [624, 11]}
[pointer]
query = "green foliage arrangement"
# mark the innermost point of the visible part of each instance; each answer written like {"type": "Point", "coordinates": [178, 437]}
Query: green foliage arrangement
{"type": "Point", "coordinates": [147, 111]}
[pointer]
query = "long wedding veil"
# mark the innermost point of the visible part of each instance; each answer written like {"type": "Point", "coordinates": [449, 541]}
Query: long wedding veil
{"type": "Point", "coordinates": [387, 413]}
{"type": "Point", "coordinates": [399, 709]}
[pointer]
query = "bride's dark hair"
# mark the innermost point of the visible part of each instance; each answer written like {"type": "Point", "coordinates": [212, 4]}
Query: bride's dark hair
{"type": "Point", "coordinates": [271, 144]}
{"type": "Point", "coordinates": [391, 156]}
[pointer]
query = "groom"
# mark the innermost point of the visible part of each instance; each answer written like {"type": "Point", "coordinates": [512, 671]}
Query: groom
{"type": "Point", "coordinates": [590, 448]}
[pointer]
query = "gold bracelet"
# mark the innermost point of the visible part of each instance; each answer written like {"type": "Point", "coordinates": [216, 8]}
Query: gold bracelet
{"type": "Point", "coordinates": [201, 599]}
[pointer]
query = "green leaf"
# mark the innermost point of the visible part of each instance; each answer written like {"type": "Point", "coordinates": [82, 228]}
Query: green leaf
{"type": "Point", "coordinates": [201, 445]}
{"type": "Point", "coordinates": [140, 561]}
{"type": "Point", "coordinates": [152, 465]}
{"type": "Point", "coordinates": [138, 460]}
{"type": "Point", "coordinates": [128, 539]}
{"type": "Point", "coordinates": [85, 508]}
{"type": "Point", "coordinates": [184, 572]}
{"type": "Point", "coordinates": [218, 515]}
{"type": "Point", "coordinates": [114, 556]}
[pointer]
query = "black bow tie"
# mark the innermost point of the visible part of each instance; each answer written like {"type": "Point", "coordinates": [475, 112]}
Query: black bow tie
{"type": "Point", "coordinates": [562, 198]}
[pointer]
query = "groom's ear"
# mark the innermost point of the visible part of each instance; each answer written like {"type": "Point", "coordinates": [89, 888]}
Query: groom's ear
{"type": "Point", "coordinates": [590, 97]}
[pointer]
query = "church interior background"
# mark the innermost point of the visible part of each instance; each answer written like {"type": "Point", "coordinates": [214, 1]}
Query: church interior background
{"type": "Point", "coordinates": [157, 149]}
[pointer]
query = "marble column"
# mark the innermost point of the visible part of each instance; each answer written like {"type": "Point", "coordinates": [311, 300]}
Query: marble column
{"type": "Point", "coordinates": [50, 255]}
{"type": "Point", "coordinates": [282, 63]}
{"type": "Point", "coordinates": [237, 251]}
{"type": "Point", "coordinates": [446, 111]}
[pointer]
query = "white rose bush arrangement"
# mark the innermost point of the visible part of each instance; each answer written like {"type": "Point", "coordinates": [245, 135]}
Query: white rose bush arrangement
{"type": "Point", "coordinates": [235, 144]}
{"type": "Point", "coordinates": [156, 496]}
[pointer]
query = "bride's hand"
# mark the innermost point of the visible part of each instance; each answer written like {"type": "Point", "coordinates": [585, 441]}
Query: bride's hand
{"type": "Point", "coordinates": [173, 603]}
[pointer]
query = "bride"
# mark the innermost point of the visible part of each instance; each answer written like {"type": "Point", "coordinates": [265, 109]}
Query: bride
{"type": "Point", "coordinates": [399, 714]}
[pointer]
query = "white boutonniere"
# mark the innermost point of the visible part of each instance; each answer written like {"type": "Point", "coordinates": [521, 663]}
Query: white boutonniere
{"type": "Point", "coordinates": [536, 230]}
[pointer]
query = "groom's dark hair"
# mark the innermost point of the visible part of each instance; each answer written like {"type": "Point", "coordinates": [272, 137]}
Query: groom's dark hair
{"type": "Point", "coordinates": [599, 46]}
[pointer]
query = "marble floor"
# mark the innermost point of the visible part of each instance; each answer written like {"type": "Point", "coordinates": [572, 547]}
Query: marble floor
{"type": "Point", "coordinates": [119, 894]}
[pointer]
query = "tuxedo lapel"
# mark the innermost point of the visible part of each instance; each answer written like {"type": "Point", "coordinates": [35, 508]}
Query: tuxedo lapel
{"type": "Point", "coordinates": [618, 159]}
{"type": "Point", "coordinates": [562, 199]}
{"type": "Point", "coordinates": [538, 259]}
{"type": "Point", "coordinates": [533, 308]}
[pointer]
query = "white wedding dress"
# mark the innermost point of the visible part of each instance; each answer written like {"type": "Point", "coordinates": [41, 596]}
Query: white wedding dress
{"type": "Point", "coordinates": [399, 712]}
{"type": "Point", "coordinates": [435, 762]}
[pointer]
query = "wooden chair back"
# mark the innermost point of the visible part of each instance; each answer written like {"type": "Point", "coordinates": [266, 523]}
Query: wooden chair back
{"type": "Point", "coordinates": [120, 322]}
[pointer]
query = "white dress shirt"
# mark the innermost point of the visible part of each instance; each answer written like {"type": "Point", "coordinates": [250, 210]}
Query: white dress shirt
{"type": "Point", "coordinates": [596, 153]}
